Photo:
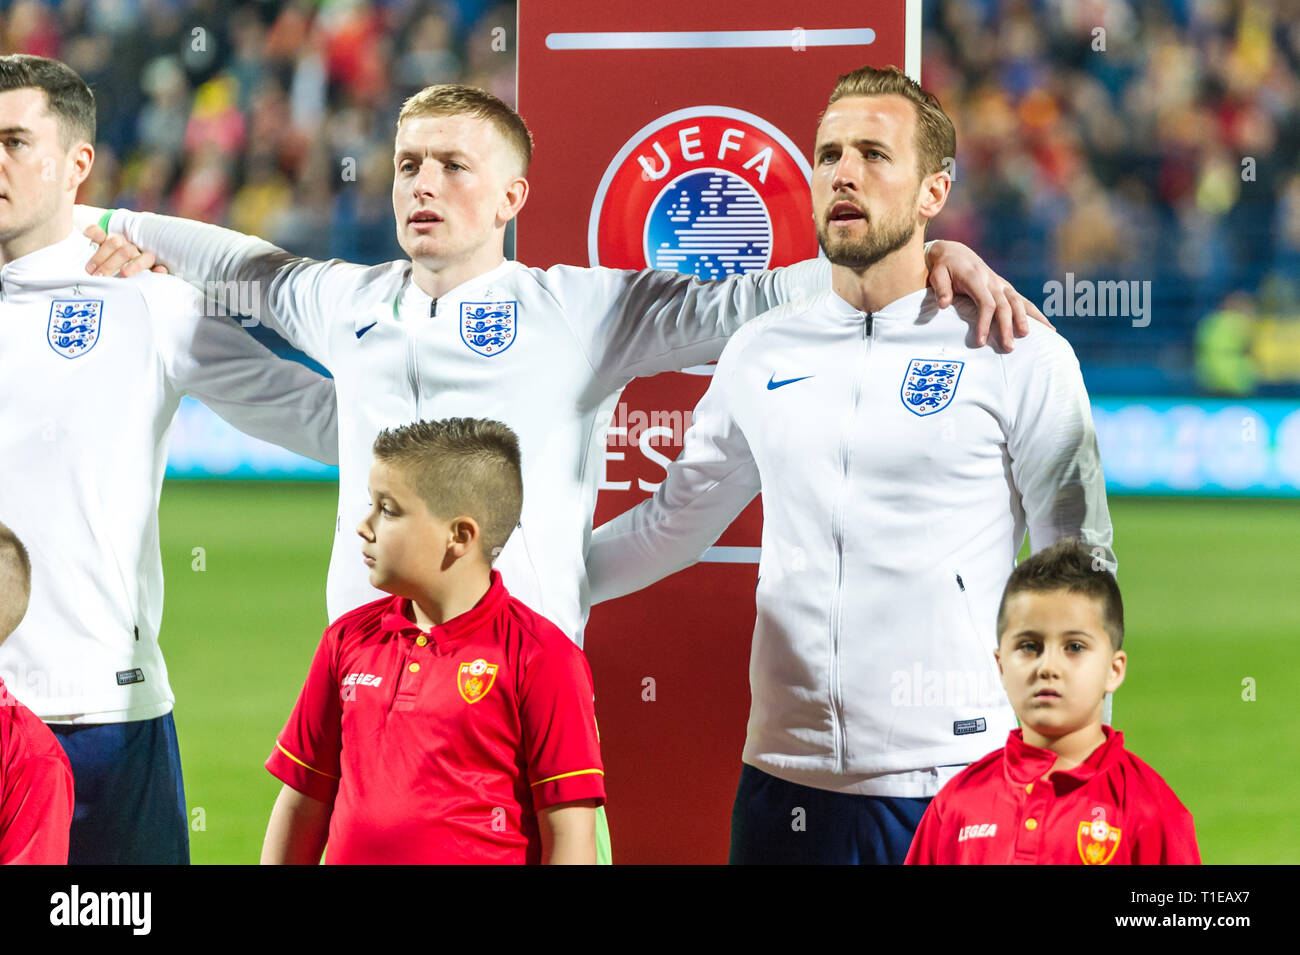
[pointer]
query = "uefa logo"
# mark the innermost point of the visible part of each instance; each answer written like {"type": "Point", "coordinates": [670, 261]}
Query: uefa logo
{"type": "Point", "coordinates": [708, 191]}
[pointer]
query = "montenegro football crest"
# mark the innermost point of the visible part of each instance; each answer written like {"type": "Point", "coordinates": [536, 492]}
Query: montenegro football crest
{"type": "Point", "coordinates": [475, 679]}
{"type": "Point", "coordinates": [929, 385]}
{"type": "Point", "coordinates": [74, 325]}
{"type": "Point", "coordinates": [1098, 841]}
{"type": "Point", "coordinates": [707, 191]}
{"type": "Point", "coordinates": [488, 327]}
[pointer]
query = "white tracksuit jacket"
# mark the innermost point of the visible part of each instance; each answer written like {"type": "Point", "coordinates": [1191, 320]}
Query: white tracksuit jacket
{"type": "Point", "coordinates": [92, 371]}
{"type": "Point", "coordinates": [900, 467]}
{"type": "Point", "coordinates": [544, 351]}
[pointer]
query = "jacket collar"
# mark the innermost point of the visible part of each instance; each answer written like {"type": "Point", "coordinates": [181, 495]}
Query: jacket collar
{"type": "Point", "coordinates": [412, 304]}
{"type": "Point", "coordinates": [915, 306]}
{"type": "Point", "coordinates": [415, 301]}
{"type": "Point", "coordinates": [398, 617]}
{"type": "Point", "coordinates": [1025, 764]}
{"type": "Point", "coordinates": [63, 259]}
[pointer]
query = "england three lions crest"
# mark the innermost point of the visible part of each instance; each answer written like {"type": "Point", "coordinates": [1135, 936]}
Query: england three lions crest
{"type": "Point", "coordinates": [929, 385]}
{"type": "Point", "coordinates": [488, 327]}
{"type": "Point", "coordinates": [74, 325]}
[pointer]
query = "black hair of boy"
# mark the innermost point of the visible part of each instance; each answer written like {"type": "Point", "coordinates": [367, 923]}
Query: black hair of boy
{"type": "Point", "coordinates": [461, 466]}
{"type": "Point", "coordinates": [1069, 565]}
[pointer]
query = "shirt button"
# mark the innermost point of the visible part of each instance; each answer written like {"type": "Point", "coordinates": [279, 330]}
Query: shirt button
{"type": "Point", "coordinates": [1030, 824]}
{"type": "Point", "coordinates": [414, 668]}
{"type": "Point", "coordinates": [1029, 788]}
{"type": "Point", "coordinates": [421, 640]}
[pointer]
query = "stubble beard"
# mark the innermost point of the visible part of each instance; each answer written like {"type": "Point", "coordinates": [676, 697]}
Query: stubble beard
{"type": "Point", "coordinates": [861, 254]}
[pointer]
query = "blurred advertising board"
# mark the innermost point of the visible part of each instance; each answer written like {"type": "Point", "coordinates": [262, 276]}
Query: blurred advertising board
{"type": "Point", "coordinates": [1158, 446]}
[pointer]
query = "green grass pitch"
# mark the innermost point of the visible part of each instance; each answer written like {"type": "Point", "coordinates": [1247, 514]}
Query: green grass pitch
{"type": "Point", "coordinates": [1213, 607]}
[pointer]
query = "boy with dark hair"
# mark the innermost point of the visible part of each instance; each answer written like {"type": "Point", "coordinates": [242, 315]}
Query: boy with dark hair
{"type": "Point", "coordinates": [35, 778]}
{"type": "Point", "coordinates": [1063, 790]}
{"type": "Point", "coordinates": [448, 722]}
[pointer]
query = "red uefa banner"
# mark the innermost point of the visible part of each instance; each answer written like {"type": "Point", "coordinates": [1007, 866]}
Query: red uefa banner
{"type": "Point", "coordinates": [677, 135]}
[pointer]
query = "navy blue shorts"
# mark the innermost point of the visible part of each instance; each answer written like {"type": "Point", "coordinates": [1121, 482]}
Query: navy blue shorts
{"type": "Point", "coordinates": [775, 822]}
{"type": "Point", "coordinates": [130, 800]}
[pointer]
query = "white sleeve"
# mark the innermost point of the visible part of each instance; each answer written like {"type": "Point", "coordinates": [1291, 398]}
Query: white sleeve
{"type": "Point", "coordinates": [295, 297]}
{"type": "Point", "coordinates": [1055, 462]}
{"type": "Point", "coordinates": [222, 365]}
{"type": "Point", "coordinates": [709, 484]}
{"type": "Point", "coordinates": [634, 324]}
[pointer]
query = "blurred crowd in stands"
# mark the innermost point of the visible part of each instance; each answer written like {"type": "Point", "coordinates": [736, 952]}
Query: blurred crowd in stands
{"type": "Point", "coordinates": [275, 119]}
{"type": "Point", "coordinates": [1145, 140]}
{"type": "Point", "coordinates": [1150, 140]}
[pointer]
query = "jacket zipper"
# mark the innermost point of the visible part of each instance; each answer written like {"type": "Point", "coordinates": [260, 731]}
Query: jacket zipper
{"type": "Point", "coordinates": [982, 651]}
{"type": "Point", "coordinates": [412, 361]}
{"type": "Point", "coordinates": [837, 530]}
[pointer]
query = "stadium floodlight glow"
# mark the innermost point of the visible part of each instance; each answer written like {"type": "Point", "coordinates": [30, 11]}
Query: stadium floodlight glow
{"type": "Point", "coordinates": [706, 39]}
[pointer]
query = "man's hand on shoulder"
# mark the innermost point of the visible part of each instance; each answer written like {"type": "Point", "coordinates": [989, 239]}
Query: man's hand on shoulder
{"type": "Point", "coordinates": [956, 269]}
{"type": "Point", "coordinates": [117, 255]}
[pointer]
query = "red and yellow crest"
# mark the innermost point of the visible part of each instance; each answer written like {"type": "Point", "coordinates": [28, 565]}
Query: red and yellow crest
{"type": "Point", "coordinates": [475, 679]}
{"type": "Point", "coordinates": [1097, 842]}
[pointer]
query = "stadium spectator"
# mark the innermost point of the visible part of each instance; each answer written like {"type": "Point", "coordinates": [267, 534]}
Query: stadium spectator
{"type": "Point", "coordinates": [1224, 364]}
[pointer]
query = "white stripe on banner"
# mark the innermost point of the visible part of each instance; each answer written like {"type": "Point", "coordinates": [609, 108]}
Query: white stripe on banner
{"type": "Point", "coordinates": [709, 39]}
{"type": "Point", "coordinates": [912, 40]}
{"type": "Point", "coordinates": [731, 555]}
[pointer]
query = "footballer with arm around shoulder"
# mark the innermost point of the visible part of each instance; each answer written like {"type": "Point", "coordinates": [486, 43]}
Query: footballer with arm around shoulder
{"type": "Point", "coordinates": [1052, 444]}
{"type": "Point", "coordinates": [688, 318]}
{"type": "Point", "coordinates": [292, 295]}
{"type": "Point", "coordinates": [640, 323]}
{"type": "Point", "coordinates": [214, 360]}
{"type": "Point", "coordinates": [706, 488]}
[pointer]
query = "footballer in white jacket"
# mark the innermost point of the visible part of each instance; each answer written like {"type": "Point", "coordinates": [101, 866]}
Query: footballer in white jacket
{"type": "Point", "coordinates": [460, 331]}
{"type": "Point", "coordinates": [92, 370]}
{"type": "Point", "coordinates": [900, 468]}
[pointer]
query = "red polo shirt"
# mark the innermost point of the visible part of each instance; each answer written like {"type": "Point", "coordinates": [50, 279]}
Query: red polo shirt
{"type": "Point", "coordinates": [1004, 809]}
{"type": "Point", "coordinates": [440, 746]}
{"type": "Point", "coordinates": [35, 788]}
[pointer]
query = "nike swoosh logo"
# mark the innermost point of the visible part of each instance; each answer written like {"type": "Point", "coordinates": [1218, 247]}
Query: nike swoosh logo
{"type": "Point", "coordinates": [362, 331]}
{"type": "Point", "coordinates": [773, 384]}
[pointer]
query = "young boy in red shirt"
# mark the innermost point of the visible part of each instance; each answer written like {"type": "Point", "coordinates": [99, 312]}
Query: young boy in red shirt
{"type": "Point", "coordinates": [36, 793]}
{"type": "Point", "coordinates": [447, 723]}
{"type": "Point", "coordinates": [1063, 791]}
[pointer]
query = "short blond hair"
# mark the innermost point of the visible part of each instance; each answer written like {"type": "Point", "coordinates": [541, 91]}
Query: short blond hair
{"type": "Point", "coordinates": [936, 140]}
{"type": "Point", "coordinates": [15, 582]}
{"type": "Point", "coordinates": [454, 99]}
